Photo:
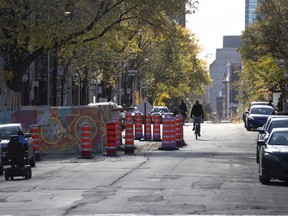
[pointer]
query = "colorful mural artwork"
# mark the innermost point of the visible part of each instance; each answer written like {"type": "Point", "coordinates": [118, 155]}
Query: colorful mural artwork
{"type": "Point", "coordinates": [62, 132]}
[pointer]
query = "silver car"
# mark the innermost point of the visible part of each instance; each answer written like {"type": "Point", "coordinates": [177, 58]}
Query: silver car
{"type": "Point", "coordinates": [273, 157]}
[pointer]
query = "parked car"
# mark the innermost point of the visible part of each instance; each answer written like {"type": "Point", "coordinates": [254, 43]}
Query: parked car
{"type": "Point", "coordinates": [1, 162]}
{"type": "Point", "coordinates": [271, 123]}
{"type": "Point", "coordinates": [161, 110]}
{"type": "Point", "coordinates": [6, 130]}
{"type": "Point", "coordinates": [257, 116]}
{"type": "Point", "coordinates": [252, 104]}
{"type": "Point", "coordinates": [273, 163]}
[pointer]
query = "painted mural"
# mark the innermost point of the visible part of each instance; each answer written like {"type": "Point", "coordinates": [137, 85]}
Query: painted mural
{"type": "Point", "coordinates": [60, 130]}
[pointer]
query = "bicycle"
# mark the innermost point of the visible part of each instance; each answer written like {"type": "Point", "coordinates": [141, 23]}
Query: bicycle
{"type": "Point", "coordinates": [197, 122]}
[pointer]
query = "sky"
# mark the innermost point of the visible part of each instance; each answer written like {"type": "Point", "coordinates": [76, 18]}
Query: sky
{"type": "Point", "coordinates": [213, 20]}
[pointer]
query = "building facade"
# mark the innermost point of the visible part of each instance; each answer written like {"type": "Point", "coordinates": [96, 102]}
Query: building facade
{"type": "Point", "coordinates": [250, 11]}
{"type": "Point", "coordinates": [221, 95]}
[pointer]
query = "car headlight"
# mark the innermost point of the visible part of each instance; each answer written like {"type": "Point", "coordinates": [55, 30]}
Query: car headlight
{"type": "Point", "coordinates": [271, 156]}
{"type": "Point", "coordinates": [250, 118]}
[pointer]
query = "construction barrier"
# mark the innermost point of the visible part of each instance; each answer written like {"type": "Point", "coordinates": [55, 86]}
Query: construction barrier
{"type": "Point", "coordinates": [34, 131]}
{"type": "Point", "coordinates": [147, 135]}
{"type": "Point", "coordinates": [118, 123]}
{"type": "Point", "coordinates": [156, 127]}
{"type": "Point", "coordinates": [180, 131]}
{"type": "Point", "coordinates": [138, 126]}
{"type": "Point", "coordinates": [172, 131]}
{"type": "Point", "coordinates": [128, 116]}
{"type": "Point", "coordinates": [111, 146]}
{"type": "Point", "coordinates": [129, 138]}
{"type": "Point", "coordinates": [168, 138]}
{"type": "Point", "coordinates": [86, 141]}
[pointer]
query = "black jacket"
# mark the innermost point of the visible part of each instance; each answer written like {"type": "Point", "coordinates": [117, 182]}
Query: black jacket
{"type": "Point", "coordinates": [197, 111]}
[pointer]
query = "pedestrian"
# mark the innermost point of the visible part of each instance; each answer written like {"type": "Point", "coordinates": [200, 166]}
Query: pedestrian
{"type": "Point", "coordinates": [270, 103]}
{"type": "Point", "coordinates": [183, 109]}
{"type": "Point", "coordinates": [175, 112]}
{"type": "Point", "coordinates": [280, 105]}
{"type": "Point", "coordinates": [285, 107]}
{"type": "Point", "coordinates": [196, 112]}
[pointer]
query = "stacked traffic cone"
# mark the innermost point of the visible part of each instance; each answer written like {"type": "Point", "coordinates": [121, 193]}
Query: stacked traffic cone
{"type": "Point", "coordinates": [34, 130]}
{"type": "Point", "coordinates": [179, 125]}
{"type": "Point", "coordinates": [111, 146]}
{"type": "Point", "coordinates": [129, 138]}
{"type": "Point", "coordinates": [138, 126]}
{"type": "Point", "coordinates": [147, 131]}
{"type": "Point", "coordinates": [86, 141]}
{"type": "Point", "coordinates": [168, 138]}
{"type": "Point", "coordinates": [156, 127]}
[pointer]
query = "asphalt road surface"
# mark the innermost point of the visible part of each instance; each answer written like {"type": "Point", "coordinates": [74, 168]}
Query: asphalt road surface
{"type": "Point", "coordinates": [216, 174]}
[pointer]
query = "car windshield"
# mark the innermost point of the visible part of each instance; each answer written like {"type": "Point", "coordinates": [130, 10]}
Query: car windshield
{"type": "Point", "coordinates": [262, 110]}
{"type": "Point", "coordinates": [160, 109]}
{"type": "Point", "coordinates": [279, 138]}
{"type": "Point", "coordinates": [6, 132]}
{"type": "Point", "coordinates": [277, 124]}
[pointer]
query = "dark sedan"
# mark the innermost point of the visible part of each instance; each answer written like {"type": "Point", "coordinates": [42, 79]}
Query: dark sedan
{"type": "Point", "coordinates": [276, 121]}
{"type": "Point", "coordinates": [257, 116]}
{"type": "Point", "coordinates": [6, 130]}
{"type": "Point", "coordinates": [273, 161]}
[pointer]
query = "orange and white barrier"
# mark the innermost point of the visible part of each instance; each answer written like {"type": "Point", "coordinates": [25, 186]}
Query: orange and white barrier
{"type": "Point", "coordinates": [138, 126]}
{"type": "Point", "coordinates": [147, 127]}
{"type": "Point", "coordinates": [168, 138]}
{"type": "Point", "coordinates": [111, 145]}
{"type": "Point", "coordinates": [172, 132]}
{"type": "Point", "coordinates": [118, 123]}
{"type": "Point", "coordinates": [179, 131]}
{"type": "Point", "coordinates": [128, 116]}
{"type": "Point", "coordinates": [86, 141]}
{"type": "Point", "coordinates": [129, 138]}
{"type": "Point", "coordinates": [156, 127]}
{"type": "Point", "coordinates": [34, 131]}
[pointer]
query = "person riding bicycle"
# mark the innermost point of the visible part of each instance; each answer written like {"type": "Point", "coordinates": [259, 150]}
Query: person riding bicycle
{"type": "Point", "coordinates": [196, 114]}
{"type": "Point", "coordinates": [183, 110]}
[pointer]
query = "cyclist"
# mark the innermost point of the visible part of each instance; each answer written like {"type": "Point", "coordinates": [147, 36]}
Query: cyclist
{"type": "Point", "coordinates": [196, 114]}
{"type": "Point", "coordinates": [183, 110]}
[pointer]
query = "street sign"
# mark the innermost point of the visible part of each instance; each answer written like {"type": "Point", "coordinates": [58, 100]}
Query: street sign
{"type": "Point", "coordinates": [131, 72]}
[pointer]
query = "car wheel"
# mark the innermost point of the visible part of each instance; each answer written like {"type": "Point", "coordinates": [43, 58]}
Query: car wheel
{"type": "Point", "coordinates": [30, 172]}
{"type": "Point", "coordinates": [1, 169]}
{"type": "Point", "coordinates": [6, 176]}
{"type": "Point", "coordinates": [265, 179]}
{"type": "Point", "coordinates": [257, 153]}
{"type": "Point", "coordinates": [248, 128]}
{"type": "Point", "coordinates": [26, 174]}
{"type": "Point", "coordinates": [32, 161]}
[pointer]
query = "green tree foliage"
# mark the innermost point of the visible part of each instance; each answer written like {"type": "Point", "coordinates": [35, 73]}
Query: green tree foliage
{"type": "Point", "coordinates": [257, 78]}
{"type": "Point", "coordinates": [265, 43]}
{"type": "Point", "coordinates": [98, 36]}
{"type": "Point", "coordinates": [176, 72]}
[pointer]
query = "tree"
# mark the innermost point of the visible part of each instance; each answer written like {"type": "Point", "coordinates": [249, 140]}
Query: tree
{"type": "Point", "coordinates": [265, 43]}
{"type": "Point", "coordinates": [176, 72]}
{"type": "Point", "coordinates": [30, 28]}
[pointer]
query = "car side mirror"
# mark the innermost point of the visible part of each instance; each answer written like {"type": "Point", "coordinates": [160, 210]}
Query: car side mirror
{"type": "Point", "coordinates": [28, 135]}
{"type": "Point", "coordinates": [261, 143]}
{"type": "Point", "coordinates": [261, 130]}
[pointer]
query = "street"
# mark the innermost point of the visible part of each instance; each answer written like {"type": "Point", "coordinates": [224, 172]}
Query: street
{"type": "Point", "coordinates": [216, 174]}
